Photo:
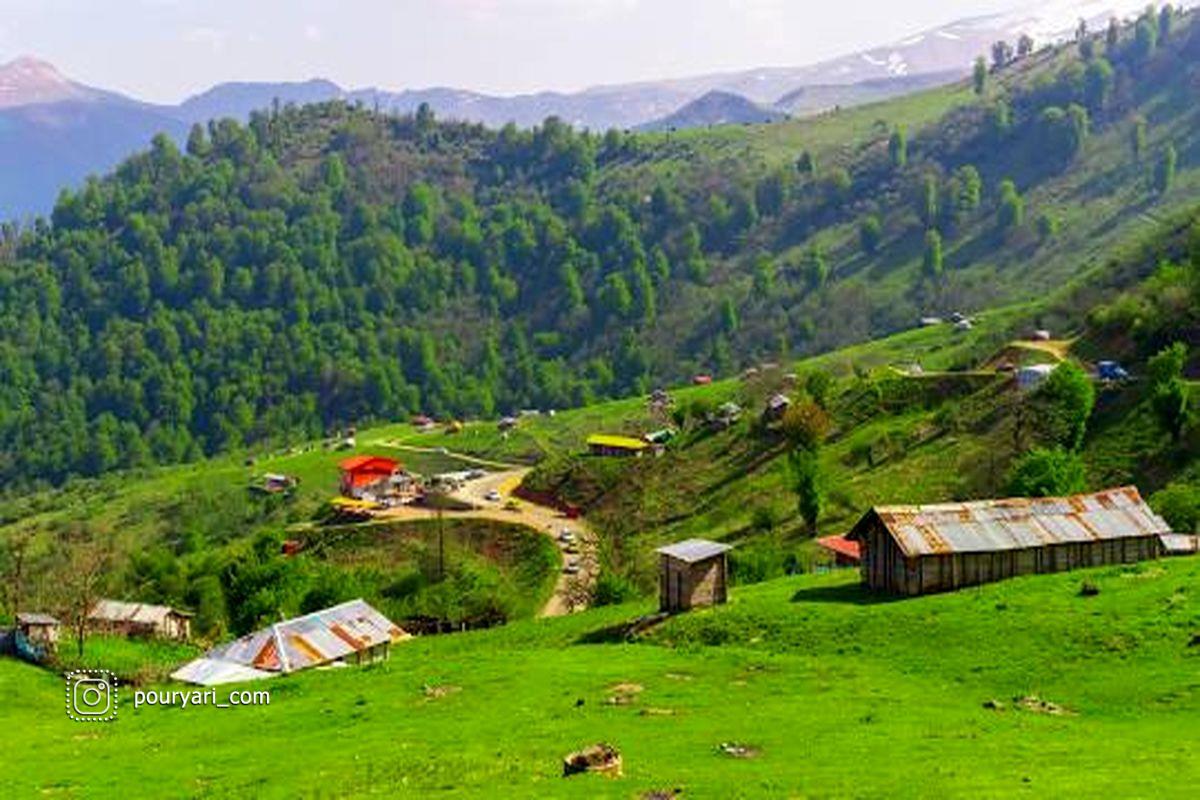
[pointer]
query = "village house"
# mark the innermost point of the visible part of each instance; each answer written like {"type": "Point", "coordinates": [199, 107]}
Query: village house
{"type": "Point", "coordinates": [601, 444]}
{"type": "Point", "coordinates": [777, 406]}
{"type": "Point", "coordinates": [350, 633]}
{"type": "Point", "coordinates": [275, 483]}
{"type": "Point", "coordinates": [913, 550]}
{"type": "Point", "coordinates": [1031, 377]}
{"type": "Point", "coordinates": [692, 573]}
{"type": "Point", "coordinates": [40, 630]}
{"type": "Point", "coordinates": [726, 416]}
{"type": "Point", "coordinates": [118, 618]}
{"type": "Point", "coordinates": [376, 478]}
{"type": "Point", "coordinates": [846, 553]}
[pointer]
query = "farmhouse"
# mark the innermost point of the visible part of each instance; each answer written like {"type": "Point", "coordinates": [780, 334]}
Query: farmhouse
{"type": "Point", "coordinates": [692, 573]}
{"type": "Point", "coordinates": [39, 629]}
{"type": "Point", "coordinates": [601, 444]}
{"type": "Point", "coordinates": [913, 550]}
{"type": "Point", "coordinates": [139, 619]}
{"type": "Point", "coordinates": [350, 633]}
{"type": "Point", "coordinates": [777, 406]}
{"type": "Point", "coordinates": [368, 477]}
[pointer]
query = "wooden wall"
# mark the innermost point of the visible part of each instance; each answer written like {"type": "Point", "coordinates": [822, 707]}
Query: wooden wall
{"type": "Point", "coordinates": [885, 568]}
{"type": "Point", "coordinates": [682, 586]}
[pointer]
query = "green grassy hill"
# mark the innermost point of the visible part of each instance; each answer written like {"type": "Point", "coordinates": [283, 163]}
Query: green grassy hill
{"type": "Point", "coordinates": [1024, 687]}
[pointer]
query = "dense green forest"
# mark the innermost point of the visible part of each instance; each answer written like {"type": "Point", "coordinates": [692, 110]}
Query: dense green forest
{"type": "Point", "coordinates": [331, 265]}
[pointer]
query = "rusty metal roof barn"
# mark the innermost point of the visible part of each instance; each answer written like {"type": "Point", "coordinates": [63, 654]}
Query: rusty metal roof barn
{"type": "Point", "coordinates": [141, 613]}
{"type": "Point", "coordinates": [1018, 523]}
{"type": "Point", "coordinates": [312, 640]}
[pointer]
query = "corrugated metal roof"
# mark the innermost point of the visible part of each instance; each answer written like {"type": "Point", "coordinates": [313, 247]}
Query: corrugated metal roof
{"type": "Point", "coordinates": [36, 618]}
{"type": "Point", "coordinates": [141, 613]}
{"type": "Point", "coordinates": [842, 546]}
{"type": "Point", "coordinates": [211, 672]}
{"type": "Point", "coordinates": [693, 550]}
{"type": "Point", "coordinates": [1017, 523]}
{"type": "Point", "coordinates": [313, 639]}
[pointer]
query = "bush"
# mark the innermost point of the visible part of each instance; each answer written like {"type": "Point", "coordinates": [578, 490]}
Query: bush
{"type": "Point", "coordinates": [756, 561]}
{"type": "Point", "coordinates": [1046, 473]}
{"type": "Point", "coordinates": [1179, 505]}
{"type": "Point", "coordinates": [613, 589]}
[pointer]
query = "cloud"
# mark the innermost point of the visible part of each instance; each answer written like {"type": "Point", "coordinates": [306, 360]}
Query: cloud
{"type": "Point", "coordinates": [313, 32]}
{"type": "Point", "coordinates": [213, 38]}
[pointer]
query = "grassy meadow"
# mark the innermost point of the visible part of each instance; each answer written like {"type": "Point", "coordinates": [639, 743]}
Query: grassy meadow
{"type": "Point", "coordinates": [1024, 688]}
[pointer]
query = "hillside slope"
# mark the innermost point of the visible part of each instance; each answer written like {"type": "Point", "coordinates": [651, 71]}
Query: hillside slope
{"type": "Point", "coordinates": [493, 271]}
{"type": "Point", "coordinates": [1021, 687]}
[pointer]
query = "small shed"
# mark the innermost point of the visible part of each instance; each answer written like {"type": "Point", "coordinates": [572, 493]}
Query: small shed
{"type": "Point", "coordinates": [692, 573]}
{"type": "Point", "coordinates": [39, 629]}
{"type": "Point", "coordinates": [602, 444]}
{"type": "Point", "coordinates": [913, 550]}
{"type": "Point", "coordinates": [119, 618]}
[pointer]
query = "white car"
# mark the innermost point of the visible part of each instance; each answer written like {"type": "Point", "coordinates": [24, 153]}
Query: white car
{"type": "Point", "coordinates": [566, 535]}
{"type": "Point", "coordinates": [493, 496]}
{"type": "Point", "coordinates": [572, 568]}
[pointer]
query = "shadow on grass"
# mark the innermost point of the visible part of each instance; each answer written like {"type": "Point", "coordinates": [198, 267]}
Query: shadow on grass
{"type": "Point", "coordinates": [628, 631]}
{"type": "Point", "coordinates": [854, 593]}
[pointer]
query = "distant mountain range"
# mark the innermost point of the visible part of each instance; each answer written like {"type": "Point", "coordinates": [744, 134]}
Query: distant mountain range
{"type": "Point", "coordinates": [55, 131]}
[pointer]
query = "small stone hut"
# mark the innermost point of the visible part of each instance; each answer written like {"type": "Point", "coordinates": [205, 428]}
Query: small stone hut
{"type": "Point", "coordinates": [692, 573]}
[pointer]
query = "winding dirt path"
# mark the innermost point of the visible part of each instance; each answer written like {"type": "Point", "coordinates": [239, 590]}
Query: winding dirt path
{"type": "Point", "coordinates": [549, 521]}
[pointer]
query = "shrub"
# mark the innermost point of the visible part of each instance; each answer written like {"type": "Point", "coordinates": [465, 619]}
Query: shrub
{"type": "Point", "coordinates": [1046, 473]}
{"type": "Point", "coordinates": [1179, 505]}
{"type": "Point", "coordinates": [613, 589]}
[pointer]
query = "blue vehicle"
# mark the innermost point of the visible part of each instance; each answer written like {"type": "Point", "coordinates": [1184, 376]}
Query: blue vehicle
{"type": "Point", "coordinates": [1111, 371]}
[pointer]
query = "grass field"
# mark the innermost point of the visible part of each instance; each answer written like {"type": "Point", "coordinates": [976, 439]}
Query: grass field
{"type": "Point", "coordinates": [833, 693]}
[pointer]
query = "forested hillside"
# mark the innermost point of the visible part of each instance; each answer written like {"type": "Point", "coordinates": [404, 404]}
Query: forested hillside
{"type": "Point", "coordinates": [330, 265]}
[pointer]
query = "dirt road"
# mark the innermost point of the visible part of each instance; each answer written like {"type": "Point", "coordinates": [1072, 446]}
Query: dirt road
{"type": "Point", "coordinates": [545, 520]}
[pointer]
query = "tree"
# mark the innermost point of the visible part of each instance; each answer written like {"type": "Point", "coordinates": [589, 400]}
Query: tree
{"type": "Point", "coordinates": [979, 77]}
{"type": "Point", "coordinates": [1047, 473]}
{"type": "Point", "coordinates": [1168, 392]}
{"type": "Point", "coordinates": [1145, 39]}
{"type": "Point", "coordinates": [14, 561]}
{"type": "Point", "coordinates": [805, 468]}
{"type": "Point", "coordinates": [1137, 137]}
{"type": "Point", "coordinates": [1002, 55]}
{"type": "Point", "coordinates": [1047, 226]}
{"type": "Point", "coordinates": [1087, 48]}
{"type": "Point", "coordinates": [1097, 84]}
{"type": "Point", "coordinates": [898, 147]}
{"type": "Point", "coordinates": [927, 204]}
{"type": "Point", "coordinates": [1164, 174]}
{"type": "Point", "coordinates": [806, 164]}
{"type": "Point", "coordinates": [870, 234]}
{"type": "Point", "coordinates": [805, 424]}
{"type": "Point", "coordinates": [1012, 208]}
{"type": "Point", "coordinates": [1024, 45]}
{"type": "Point", "coordinates": [1166, 19]}
{"type": "Point", "coordinates": [816, 266]}
{"type": "Point", "coordinates": [86, 561]}
{"type": "Point", "coordinates": [764, 275]}
{"type": "Point", "coordinates": [932, 261]}
{"type": "Point", "coordinates": [1064, 404]}
{"type": "Point", "coordinates": [729, 316]}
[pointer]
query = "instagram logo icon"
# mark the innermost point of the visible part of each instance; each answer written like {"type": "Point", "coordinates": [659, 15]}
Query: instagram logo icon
{"type": "Point", "coordinates": [91, 695]}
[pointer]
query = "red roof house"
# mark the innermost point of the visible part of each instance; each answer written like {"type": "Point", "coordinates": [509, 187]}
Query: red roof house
{"type": "Point", "coordinates": [846, 553]}
{"type": "Point", "coordinates": [362, 472]}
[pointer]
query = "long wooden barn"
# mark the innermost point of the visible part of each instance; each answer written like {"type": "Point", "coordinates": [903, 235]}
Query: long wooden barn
{"type": "Point", "coordinates": [913, 550]}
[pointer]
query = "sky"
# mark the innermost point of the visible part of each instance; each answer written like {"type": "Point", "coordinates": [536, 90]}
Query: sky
{"type": "Point", "coordinates": [166, 50]}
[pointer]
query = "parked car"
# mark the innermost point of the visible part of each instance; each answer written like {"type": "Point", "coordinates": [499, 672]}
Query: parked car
{"type": "Point", "coordinates": [566, 535]}
{"type": "Point", "coordinates": [572, 568]}
{"type": "Point", "coordinates": [1111, 371]}
{"type": "Point", "coordinates": [493, 496]}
